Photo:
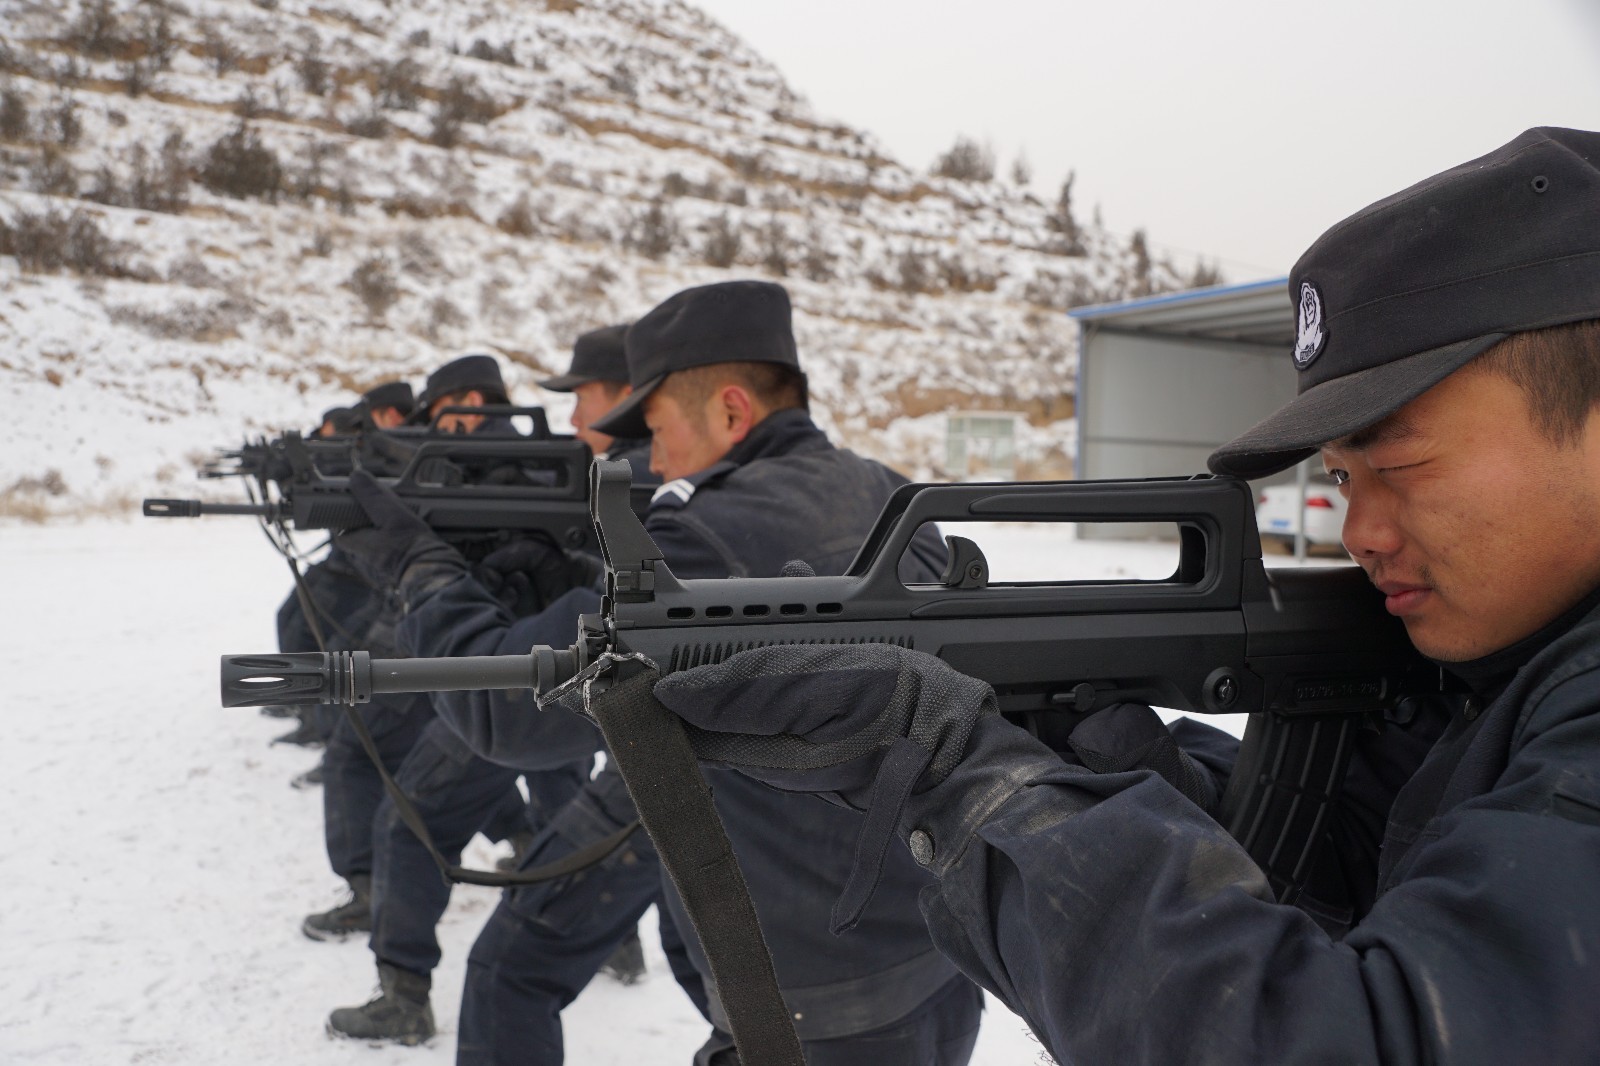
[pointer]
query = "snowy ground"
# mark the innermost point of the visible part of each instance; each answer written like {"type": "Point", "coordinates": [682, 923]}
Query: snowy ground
{"type": "Point", "coordinates": [156, 864]}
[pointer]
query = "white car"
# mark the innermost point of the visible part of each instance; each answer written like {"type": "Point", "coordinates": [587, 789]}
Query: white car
{"type": "Point", "coordinates": [1278, 513]}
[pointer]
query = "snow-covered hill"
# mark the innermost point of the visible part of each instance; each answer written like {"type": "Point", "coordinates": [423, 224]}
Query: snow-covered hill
{"type": "Point", "coordinates": [219, 216]}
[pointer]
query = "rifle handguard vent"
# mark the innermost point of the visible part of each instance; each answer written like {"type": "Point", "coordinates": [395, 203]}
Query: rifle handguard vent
{"type": "Point", "coordinates": [689, 656]}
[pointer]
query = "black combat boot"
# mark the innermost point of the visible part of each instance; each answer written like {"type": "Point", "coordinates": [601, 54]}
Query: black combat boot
{"type": "Point", "coordinates": [626, 964]}
{"type": "Point", "coordinates": [400, 1012]}
{"type": "Point", "coordinates": [352, 916]}
{"type": "Point", "coordinates": [304, 735]}
{"type": "Point", "coordinates": [310, 779]}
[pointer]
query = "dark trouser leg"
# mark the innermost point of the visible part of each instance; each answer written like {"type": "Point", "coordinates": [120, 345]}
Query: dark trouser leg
{"type": "Point", "coordinates": [352, 788]}
{"type": "Point", "coordinates": [545, 942]}
{"type": "Point", "coordinates": [941, 1032]}
{"type": "Point", "coordinates": [683, 971]}
{"type": "Point", "coordinates": [456, 794]}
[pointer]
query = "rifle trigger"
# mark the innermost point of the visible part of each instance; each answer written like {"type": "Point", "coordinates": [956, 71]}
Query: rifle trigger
{"type": "Point", "coordinates": [966, 567]}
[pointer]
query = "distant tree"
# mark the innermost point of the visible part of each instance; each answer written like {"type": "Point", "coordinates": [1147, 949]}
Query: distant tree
{"type": "Point", "coordinates": [518, 220]}
{"type": "Point", "coordinates": [967, 160]}
{"type": "Point", "coordinates": [222, 53]}
{"type": "Point", "coordinates": [53, 174]}
{"type": "Point", "coordinates": [97, 31]}
{"type": "Point", "coordinates": [460, 102]}
{"type": "Point", "coordinates": [1064, 222]}
{"type": "Point", "coordinates": [1140, 281]}
{"type": "Point", "coordinates": [1021, 171]}
{"type": "Point", "coordinates": [914, 273]}
{"type": "Point", "coordinates": [164, 186]}
{"type": "Point", "coordinates": [723, 242]}
{"type": "Point", "coordinates": [1205, 275]}
{"type": "Point", "coordinates": [62, 124]}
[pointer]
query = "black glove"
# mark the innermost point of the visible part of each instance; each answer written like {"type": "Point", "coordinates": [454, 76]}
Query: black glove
{"type": "Point", "coordinates": [527, 574]}
{"type": "Point", "coordinates": [399, 551]}
{"type": "Point", "coordinates": [859, 724]}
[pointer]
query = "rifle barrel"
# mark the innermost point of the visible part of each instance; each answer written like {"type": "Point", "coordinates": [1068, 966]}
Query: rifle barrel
{"type": "Point", "coordinates": [355, 677]}
{"type": "Point", "coordinates": [161, 508]}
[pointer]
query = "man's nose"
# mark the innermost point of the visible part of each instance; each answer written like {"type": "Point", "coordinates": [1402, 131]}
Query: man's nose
{"type": "Point", "coordinates": [1369, 527]}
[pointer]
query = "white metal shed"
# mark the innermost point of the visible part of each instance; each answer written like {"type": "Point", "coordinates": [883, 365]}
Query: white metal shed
{"type": "Point", "coordinates": [1163, 381]}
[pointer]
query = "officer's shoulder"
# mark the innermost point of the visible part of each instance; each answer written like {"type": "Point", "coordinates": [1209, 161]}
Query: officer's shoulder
{"type": "Point", "coordinates": [675, 495]}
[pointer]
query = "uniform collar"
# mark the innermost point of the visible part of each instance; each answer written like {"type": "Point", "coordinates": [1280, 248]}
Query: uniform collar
{"type": "Point", "coordinates": [1488, 676]}
{"type": "Point", "coordinates": [779, 433]}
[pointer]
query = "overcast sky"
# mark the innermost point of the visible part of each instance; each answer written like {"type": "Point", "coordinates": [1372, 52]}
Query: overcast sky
{"type": "Point", "coordinates": [1238, 128]}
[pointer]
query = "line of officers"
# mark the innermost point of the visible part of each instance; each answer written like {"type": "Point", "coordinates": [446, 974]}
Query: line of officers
{"type": "Point", "coordinates": [705, 392]}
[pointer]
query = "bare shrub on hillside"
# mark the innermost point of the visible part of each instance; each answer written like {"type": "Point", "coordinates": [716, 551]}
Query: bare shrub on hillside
{"type": "Point", "coordinates": [316, 77]}
{"type": "Point", "coordinates": [503, 54]}
{"type": "Point", "coordinates": [912, 273]}
{"type": "Point", "coordinates": [106, 188]}
{"type": "Point", "coordinates": [459, 103]}
{"type": "Point", "coordinates": [155, 35]}
{"type": "Point", "coordinates": [967, 160]}
{"type": "Point", "coordinates": [61, 124]}
{"type": "Point", "coordinates": [654, 232]}
{"type": "Point", "coordinates": [518, 220]}
{"type": "Point", "coordinates": [163, 186]}
{"type": "Point", "coordinates": [443, 318]}
{"type": "Point", "coordinates": [775, 247]}
{"type": "Point", "coordinates": [309, 182]}
{"type": "Point", "coordinates": [419, 39]}
{"type": "Point", "coordinates": [675, 185]}
{"type": "Point", "coordinates": [238, 165]}
{"type": "Point", "coordinates": [52, 173]}
{"type": "Point", "coordinates": [399, 84]}
{"type": "Point", "coordinates": [418, 256]}
{"type": "Point", "coordinates": [816, 261]}
{"type": "Point", "coordinates": [321, 245]}
{"type": "Point", "coordinates": [374, 284]}
{"type": "Point", "coordinates": [48, 241]}
{"type": "Point", "coordinates": [203, 323]}
{"type": "Point", "coordinates": [1061, 292]}
{"type": "Point", "coordinates": [723, 242]}
{"type": "Point", "coordinates": [369, 124]}
{"type": "Point", "coordinates": [14, 118]}
{"type": "Point", "coordinates": [218, 50]}
{"type": "Point", "coordinates": [97, 31]}
{"type": "Point", "coordinates": [135, 78]}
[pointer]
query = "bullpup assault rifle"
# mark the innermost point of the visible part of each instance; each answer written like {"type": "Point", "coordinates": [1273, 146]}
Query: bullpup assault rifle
{"type": "Point", "coordinates": [475, 491]}
{"type": "Point", "coordinates": [1309, 654]}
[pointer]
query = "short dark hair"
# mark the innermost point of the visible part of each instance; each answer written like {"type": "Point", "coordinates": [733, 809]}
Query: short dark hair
{"type": "Point", "coordinates": [776, 385]}
{"type": "Point", "coordinates": [1558, 370]}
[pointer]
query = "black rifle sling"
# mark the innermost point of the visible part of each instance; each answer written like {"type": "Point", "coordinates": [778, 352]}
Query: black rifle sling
{"type": "Point", "coordinates": [577, 861]}
{"type": "Point", "coordinates": [674, 802]}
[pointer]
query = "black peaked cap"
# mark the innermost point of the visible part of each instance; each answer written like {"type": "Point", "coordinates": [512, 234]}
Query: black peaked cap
{"type": "Point", "coordinates": [598, 355]}
{"type": "Point", "coordinates": [1403, 293]}
{"type": "Point", "coordinates": [729, 322]}
{"type": "Point", "coordinates": [480, 372]}
{"type": "Point", "coordinates": [396, 394]}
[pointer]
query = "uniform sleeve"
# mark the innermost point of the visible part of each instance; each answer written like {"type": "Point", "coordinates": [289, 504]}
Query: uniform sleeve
{"type": "Point", "coordinates": [506, 727]}
{"type": "Point", "coordinates": [1126, 926]}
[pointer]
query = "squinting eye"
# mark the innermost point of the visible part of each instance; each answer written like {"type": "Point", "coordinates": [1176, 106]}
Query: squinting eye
{"type": "Point", "coordinates": [1340, 477]}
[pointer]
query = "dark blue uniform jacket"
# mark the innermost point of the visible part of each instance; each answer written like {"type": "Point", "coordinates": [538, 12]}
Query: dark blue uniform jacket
{"type": "Point", "coordinates": [786, 493]}
{"type": "Point", "coordinates": [1128, 927]}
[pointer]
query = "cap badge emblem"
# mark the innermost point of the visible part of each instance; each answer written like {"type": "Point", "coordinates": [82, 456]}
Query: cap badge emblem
{"type": "Point", "coordinates": [1310, 336]}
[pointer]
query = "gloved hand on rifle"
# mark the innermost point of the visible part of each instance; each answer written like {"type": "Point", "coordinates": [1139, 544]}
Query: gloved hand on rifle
{"type": "Point", "coordinates": [870, 725]}
{"type": "Point", "coordinates": [530, 572]}
{"type": "Point", "coordinates": [399, 551]}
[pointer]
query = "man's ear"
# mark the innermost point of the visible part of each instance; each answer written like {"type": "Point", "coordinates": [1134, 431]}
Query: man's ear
{"type": "Point", "coordinates": [735, 412]}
